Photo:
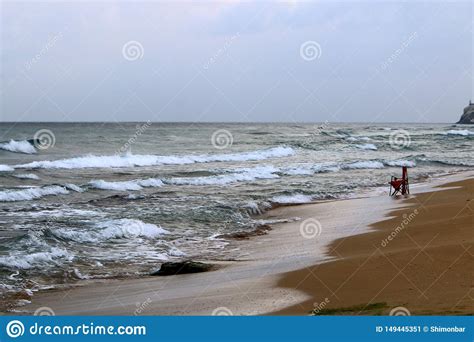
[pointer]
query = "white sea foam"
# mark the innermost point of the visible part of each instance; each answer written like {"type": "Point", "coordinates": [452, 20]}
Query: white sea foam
{"type": "Point", "coordinates": [367, 147]}
{"type": "Point", "coordinates": [4, 168]}
{"type": "Point", "coordinates": [132, 185]}
{"type": "Point", "coordinates": [150, 182]}
{"type": "Point", "coordinates": [463, 132]}
{"type": "Point", "coordinates": [113, 229]}
{"type": "Point", "coordinates": [300, 170]}
{"type": "Point", "coordinates": [239, 175]}
{"type": "Point", "coordinates": [368, 164]}
{"type": "Point", "coordinates": [400, 162]}
{"type": "Point", "coordinates": [176, 252]}
{"type": "Point", "coordinates": [150, 160]}
{"type": "Point", "coordinates": [352, 139]}
{"type": "Point", "coordinates": [31, 193]}
{"type": "Point", "coordinates": [73, 187]}
{"type": "Point", "coordinates": [18, 146]}
{"type": "Point", "coordinates": [65, 212]}
{"type": "Point", "coordinates": [309, 169]}
{"type": "Point", "coordinates": [115, 186]}
{"type": "Point", "coordinates": [285, 220]}
{"type": "Point", "coordinates": [23, 260]}
{"type": "Point", "coordinates": [288, 199]}
{"type": "Point", "coordinates": [27, 176]}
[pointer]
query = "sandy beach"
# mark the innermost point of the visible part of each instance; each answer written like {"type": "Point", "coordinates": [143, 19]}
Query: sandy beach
{"type": "Point", "coordinates": [360, 258]}
{"type": "Point", "coordinates": [421, 259]}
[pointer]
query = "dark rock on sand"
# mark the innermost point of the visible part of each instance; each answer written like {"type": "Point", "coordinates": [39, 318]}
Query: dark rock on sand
{"type": "Point", "coordinates": [182, 267]}
{"type": "Point", "coordinates": [244, 235]}
{"type": "Point", "coordinates": [468, 115]}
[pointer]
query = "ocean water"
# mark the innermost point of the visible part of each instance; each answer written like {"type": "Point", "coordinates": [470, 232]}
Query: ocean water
{"type": "Point", "coordinates": [117, 199]}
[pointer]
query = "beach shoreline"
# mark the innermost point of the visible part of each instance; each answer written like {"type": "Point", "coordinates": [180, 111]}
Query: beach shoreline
{"type": "Point", "coordinates": [271, 277]}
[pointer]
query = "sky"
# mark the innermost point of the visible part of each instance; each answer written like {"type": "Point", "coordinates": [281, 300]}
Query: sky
{"type": "Point", "coordinates": [236, 61]}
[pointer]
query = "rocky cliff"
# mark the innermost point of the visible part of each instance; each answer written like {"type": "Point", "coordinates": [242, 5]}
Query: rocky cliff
{"type": "Point", "coordinates": [468, 115]}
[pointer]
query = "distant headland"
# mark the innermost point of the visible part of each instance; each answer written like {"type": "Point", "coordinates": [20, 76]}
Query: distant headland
{"type": "Point", "coordinates": [468, 115]}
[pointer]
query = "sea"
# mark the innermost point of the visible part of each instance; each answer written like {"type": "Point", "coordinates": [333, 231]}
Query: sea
{"type": "Point", "coordinates": [115, 200]}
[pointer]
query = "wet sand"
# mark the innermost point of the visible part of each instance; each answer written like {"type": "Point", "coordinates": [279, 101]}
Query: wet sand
{"type": "Point", "coordinates": [426, 267]}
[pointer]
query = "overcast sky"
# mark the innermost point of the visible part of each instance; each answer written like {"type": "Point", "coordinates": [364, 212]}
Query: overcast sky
{"type": "Point", "coordinates": [236, 61]}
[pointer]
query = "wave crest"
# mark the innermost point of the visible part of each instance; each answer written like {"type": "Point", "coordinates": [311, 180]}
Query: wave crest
{"type": "Point", "coordinates": [22, 146]}
{"type": "Point", "coordinates": [130, 160]}
{"type": "Point", "coordinates": [113, 229]}
{"type": "Point", "coordinates": [31, 193]}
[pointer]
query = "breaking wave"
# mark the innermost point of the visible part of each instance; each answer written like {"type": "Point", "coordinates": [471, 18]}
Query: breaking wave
{"type": "Point", "coordinates": [240, 175]}
{"type": "Point", "coordinates": [130, 160]}
{"type": "Point", "coordinates": [31, 193]}
{"type": "Point", "coordinates": [463, 132]}
{"type": "Point", "coordinates": [6, 168]}
{"type": "Point", "coordinates": [292, 199]}
{"type": "Point", "coordinates": [367, 147]}
{"type": "Point", "coordinates": [127, 185]}
{"type": "Point", "coordinates": [354, 138]}
{"type": "Point", "coordinates": [400, 162]}
{"type": "Point", "coordinates": [27, 176]}
{"type": "Point", "coordinates": [20, 260]}
{"type": "Point", "coordinates": [369, 164]}
{"type": "Point", "coordinates": [113, 229]}
{"type": "Point", "coordinates": [22, 146]}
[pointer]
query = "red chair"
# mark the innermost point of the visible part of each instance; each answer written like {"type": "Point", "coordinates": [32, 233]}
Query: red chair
{"type": "Point", "coordinates": [400, 184]}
